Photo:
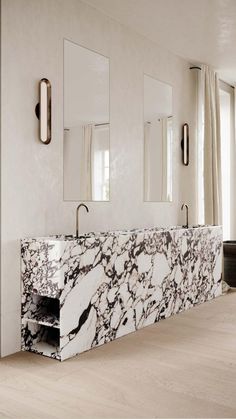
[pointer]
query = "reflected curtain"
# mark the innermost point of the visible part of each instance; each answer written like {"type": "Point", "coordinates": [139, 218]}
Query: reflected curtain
{"type": "Point", "coordinates": [147, 161]}
{"type": "Point", "coordinates": [210, 201]}
{"type": "Point", "coordinates": [86, 168]}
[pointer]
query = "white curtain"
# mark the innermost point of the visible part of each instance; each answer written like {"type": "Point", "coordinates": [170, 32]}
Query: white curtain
{"type": "Point", "coordinates": [147, 164]}
{"type": "Point", "coordinates": [157, 159]}
{"type": "Point", "coordinates": [86, 169]}
{"type": "Point", "coordinates": [100, 163]}
{"type": "Point", "coordinates": [166, 124]}
{"type": "Point", "coordinates": [209, 147]}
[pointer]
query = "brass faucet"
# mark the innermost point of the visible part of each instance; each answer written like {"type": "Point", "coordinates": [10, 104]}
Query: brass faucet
{"type": "Point", "coordinates": [185, 206]}
{"type": "Point", "coordinates": [77, 217]}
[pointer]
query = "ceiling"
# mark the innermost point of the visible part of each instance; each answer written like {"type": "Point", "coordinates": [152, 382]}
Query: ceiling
{"type": "Point", "coordinates": [201, 31]}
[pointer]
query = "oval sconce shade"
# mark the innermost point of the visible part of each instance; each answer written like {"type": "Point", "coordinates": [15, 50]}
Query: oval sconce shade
{"type": "Point", "coordinates": [185, 145]}
{"type": "Point", "coordinates": [43, 111]}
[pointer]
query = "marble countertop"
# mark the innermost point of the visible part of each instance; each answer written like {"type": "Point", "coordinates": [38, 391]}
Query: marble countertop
{"type": "Point", "coordinates": [71, 237]}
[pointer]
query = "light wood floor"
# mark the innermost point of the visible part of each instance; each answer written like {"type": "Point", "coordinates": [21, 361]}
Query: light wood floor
{"type": "Point", "coordinates": [181, 367]}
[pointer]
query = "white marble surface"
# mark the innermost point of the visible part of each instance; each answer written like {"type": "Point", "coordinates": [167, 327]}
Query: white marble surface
{"type": "Point", "coordinates": [111, 284]}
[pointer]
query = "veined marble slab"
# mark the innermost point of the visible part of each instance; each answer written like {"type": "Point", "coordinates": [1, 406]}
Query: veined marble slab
{"type": "Point", "coordinates": [111, 284]}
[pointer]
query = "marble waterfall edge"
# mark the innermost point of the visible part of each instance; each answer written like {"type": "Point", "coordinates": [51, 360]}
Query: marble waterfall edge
{"type": "Point", "coordinates": [81, 293]}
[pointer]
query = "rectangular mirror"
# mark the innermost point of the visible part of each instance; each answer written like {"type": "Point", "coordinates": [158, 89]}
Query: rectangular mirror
{"type": "Point", "coordinates": [86, 150]}
{"type": "Point", "coordinates": [158, 129]}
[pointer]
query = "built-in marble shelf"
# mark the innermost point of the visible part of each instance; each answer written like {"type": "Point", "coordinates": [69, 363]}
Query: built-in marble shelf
{"type": "Point", "coordinates": [45, 320]}
{"type": "Point", "coordinates": [41, 339]}
{"type": "Point", "coordinates": [79, 293]}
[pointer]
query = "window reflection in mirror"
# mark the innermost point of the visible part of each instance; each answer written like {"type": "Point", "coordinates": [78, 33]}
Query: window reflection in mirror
{"type": "Point", "coordinates": [86, 124]}
{"type": "Point", "coordinates": [158, 128]}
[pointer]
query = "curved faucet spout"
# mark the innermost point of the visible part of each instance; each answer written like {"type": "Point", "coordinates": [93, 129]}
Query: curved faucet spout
{"type": "Point", "coordinates": [77, 217]}
{"type": "Point", "coordinates": [186, 207]}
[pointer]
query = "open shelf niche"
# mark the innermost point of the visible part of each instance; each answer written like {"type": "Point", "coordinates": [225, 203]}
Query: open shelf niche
{"type": "Point", "coordinates": [42, 310]}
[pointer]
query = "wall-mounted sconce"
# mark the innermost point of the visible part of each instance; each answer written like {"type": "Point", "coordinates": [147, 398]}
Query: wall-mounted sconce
{"type": "Point", "coordinates": [185, 145]}
{"type": "Point", "coordinates": [43, 111]}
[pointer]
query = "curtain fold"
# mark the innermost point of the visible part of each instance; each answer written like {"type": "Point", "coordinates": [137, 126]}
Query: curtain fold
{"type": "Point", "coordinates": [86, 167]}
{"type": "Point", "coordinates": [210, 146]}
{"type": "Point", "coordinates": [164, 124]}
{"type": "Point", "coordinates": [147, 164]}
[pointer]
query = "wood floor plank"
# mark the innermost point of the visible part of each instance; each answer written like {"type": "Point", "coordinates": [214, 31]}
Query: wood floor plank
{"type": "Point", "coordinates": [182, 367]}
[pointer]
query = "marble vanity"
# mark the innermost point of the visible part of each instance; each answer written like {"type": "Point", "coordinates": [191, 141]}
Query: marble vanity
{"type": "Point", "coordinates": [79, 293]}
